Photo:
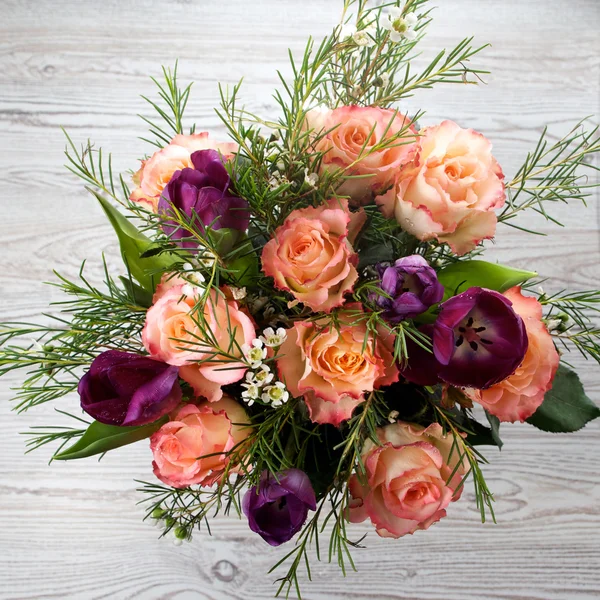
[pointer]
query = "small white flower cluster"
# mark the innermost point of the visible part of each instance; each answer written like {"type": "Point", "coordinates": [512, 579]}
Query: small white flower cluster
{"type": "Point", "coordinates": [401, 26]}
{"type": "Point", "coordinates": [277, 180]}
{"type": "Point", "coordinates": [205, 259]}
{"type": "Point", "coordinates": [259, 382]}
{"type": "Point", "coordinates": [311, 179]}
{"type": "Point", "coordinates": [363, 38]}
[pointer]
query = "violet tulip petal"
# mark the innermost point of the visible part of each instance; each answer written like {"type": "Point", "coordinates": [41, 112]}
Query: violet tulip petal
{"type": "Point", "coordinates": [422, 366]}
{"type": "Point", "coordinates": [411, 287]}
{"type": "Point", "coordinates": [478, 339]}
{"type": "Point", "coordinates": [279, 507]}
{"type": "Point", "coordinates": [119, 383]}
{"type": "Point", "coordinates": [203, 195]}
{"type": "Point", "coordinates": [155, 398]}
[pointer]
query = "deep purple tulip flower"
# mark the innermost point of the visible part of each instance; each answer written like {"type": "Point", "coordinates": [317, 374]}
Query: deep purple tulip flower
{"type": "Point", "coordinates": [128, 389]}
{"type": "Point", "coordinates": [203, 194]}
{"type": "Point", "coordinates": [412, 286]}
{"type": "Point", "coordinates": [478, 340]}
{"type": "Point", "coordinates": [279, 507]}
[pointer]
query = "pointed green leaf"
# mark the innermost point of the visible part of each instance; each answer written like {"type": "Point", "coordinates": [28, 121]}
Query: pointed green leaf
{"type": "Point", "coordinates": [100, 438]}
{"type": "Point", "coordinates": [495, 428]}
{"type": "Point", "coordinates": [134, 245]}
{"type": "Point", "coordinates": [461, 275]}
{"type": "Point", "coordinates": [566, 408]}
{"type": "Point", "coordinates": [136, 292]}
{"type": "Point", "coordinates": [237, 253]}
{"type": "Point", "coordinates": [480, 435]}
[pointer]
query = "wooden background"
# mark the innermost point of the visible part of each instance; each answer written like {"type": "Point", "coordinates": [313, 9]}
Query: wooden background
{"type": "Point", "coordinates": [72, 530]}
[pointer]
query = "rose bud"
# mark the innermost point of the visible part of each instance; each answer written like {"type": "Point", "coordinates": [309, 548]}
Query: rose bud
{"type": "Point", "coordinates": [277, 508]}
{"type": "Point", "coordinates": [203, 195]}
{"type": "Point", "coordinates": [478, 339]}
{"type": "Point", "coordinates": [128, 389]}
{"type": "Point", "coordinates": [411, 287]}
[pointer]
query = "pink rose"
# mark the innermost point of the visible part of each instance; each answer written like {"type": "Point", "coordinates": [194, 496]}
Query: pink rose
{"type": "Point", "coordinates": [172, 334]}
{"type": "Point", "coordinates": [349, 134]}
{"type": "Point", "coordinates": [156, 172]}
{"type": "Point", "coordinates": [407, 484]}
{"type": "Point", "coordinates": [450, 190]}
{"type": "Point", "coordinates": [311, 254]}
{"type": "Point", "coordinates": [519, 396]}
{"type": "Point", "coordinates": [192, 448]}
{"type": "Point", "coordinates": [333, 367]}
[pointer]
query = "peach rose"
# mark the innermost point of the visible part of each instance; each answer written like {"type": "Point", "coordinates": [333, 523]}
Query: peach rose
{"type": "Point", "coordinates": [156, 172]}
{"type": "Point", "coordinates": [407, 484]}
{"type": "Point", "coordinates": [333, 367]}
{"type": "Point", "coordinates": [349, 134]}
{"type": "Point", "coordinates": [172, 334]}
{"type": "Point", "coordinates": [311, 254]}
{"type": "Point", "coordinates": [450, 190]}
{"type": "Point", "coordinates": [519, 396]}
{"type": "Point", "coordinates": [192, 448]}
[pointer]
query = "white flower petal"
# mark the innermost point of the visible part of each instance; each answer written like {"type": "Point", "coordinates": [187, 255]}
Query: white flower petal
{"type": "Point", "coordinates": [387, 23]}
{"type": "Point", "coordinates": [395, 36]}
{"type": "Point", "coordinates": [411, 19]}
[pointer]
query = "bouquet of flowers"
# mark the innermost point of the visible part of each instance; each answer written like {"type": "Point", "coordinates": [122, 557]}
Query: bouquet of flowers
{"type": "Point", "coordinates": [303, 331]}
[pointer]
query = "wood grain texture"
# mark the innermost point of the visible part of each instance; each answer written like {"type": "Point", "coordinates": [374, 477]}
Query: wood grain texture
{"type": "Point", "coordinates": [72, 531]}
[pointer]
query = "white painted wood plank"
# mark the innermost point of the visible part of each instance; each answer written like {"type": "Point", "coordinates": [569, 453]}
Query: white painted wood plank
{"type": "Point", "coordinates": [72, 531]}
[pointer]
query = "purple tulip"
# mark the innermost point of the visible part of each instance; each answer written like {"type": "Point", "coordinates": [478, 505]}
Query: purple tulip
{"type": "Point", "coordinates": [279, 507]}
{"type": "Point", "coordinates": [202, 194]}
{"type": "Point", "coordinates": [478, 340]}
{"type": "Point", "coordinates": [412, 286]}
{"type": "Point", "coordinates": [128, 389]}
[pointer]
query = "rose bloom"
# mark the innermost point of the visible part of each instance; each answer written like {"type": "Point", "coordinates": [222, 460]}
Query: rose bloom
{"type": "Point", "coordinates": [450, 190]}
{"type": "Point", "coordinates": [519, 396]}
{"type": "Point", "coordinates": [172, 334]}
{"type": "Point", "coordinates": [348, 135]}
{"type": "Point", "coordinates": [311, 254]}
{"type": "Point", "coordinates": [156, 172]}
{"type": "Point", "coordinates": [333, 368]}
{"type": "Point", "coordinates": [407, 486]}
{"type": "Point", "coordinates": [190, 449]}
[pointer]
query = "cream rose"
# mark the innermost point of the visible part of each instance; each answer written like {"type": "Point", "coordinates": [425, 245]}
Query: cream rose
{"type": "Point", "coordinates": [192, 448]}
{"type": "Point", "coordinates": [333, 367]}
{"type": "Point", "coordinates": [349, 136]}
{"type": "Point", "coordinates": [407, 486]}
{"type": "Point", "coordinates": [172, 334]}
{"type": "Point", "coordinates": [311, 255]}
{"type": "Point", "coordinates": [450, 190]}
{"type": "Point", "coordinates": [156, 172]}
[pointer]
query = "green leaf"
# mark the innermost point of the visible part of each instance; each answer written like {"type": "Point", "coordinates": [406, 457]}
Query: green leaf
{"type": "Point", "coordinates": [100, 438]}
{"type": "Point", "coordinates": [461, 275]}
{"type": "Point", "coordinates": [134, 245]}
{"type": "Point", "coordinates": [238, 254]}
{"type": "Point", "coordinates": [136, 292]}
{"type": "Point", "coordinates": [225, 240]}
{"type": "Point", "coordinates": [375, 254]}
{"type": "Point", "coordinates": [480, 435]}
{"type": "Point", "coordinates": [566, 408]}
{"type": "Point", "coordinates": [494, 422]}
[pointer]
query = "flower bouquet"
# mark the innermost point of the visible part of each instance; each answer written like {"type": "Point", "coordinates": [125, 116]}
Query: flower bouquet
{"type": "Point", "coordinates": [303, 331]}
